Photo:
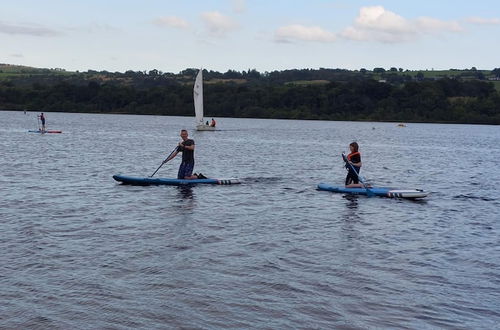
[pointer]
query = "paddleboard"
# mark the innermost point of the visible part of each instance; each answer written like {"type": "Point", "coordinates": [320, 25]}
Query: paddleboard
{"type": "Point", "coordinates": [146, 181]}
{"type": "Point", "coordinates": [377, 191]}
{"type": "Point", "coordinates": [46, 131]}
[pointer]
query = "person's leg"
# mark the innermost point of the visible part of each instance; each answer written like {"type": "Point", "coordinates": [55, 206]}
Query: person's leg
{"type": "Point", "coordinates": [182, 170]}
{"type": "Point", "coordinates": [188, 172]}
{"type": "Point", "coordinates": [349, 179]}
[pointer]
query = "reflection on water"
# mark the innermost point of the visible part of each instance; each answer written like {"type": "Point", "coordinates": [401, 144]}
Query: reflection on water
{"type": "Point", "coordinates": [351, 201]}
{"type": "Point", "coordinates": [350, 212]}
{"type": "Point", "coordinates": [185, 192]}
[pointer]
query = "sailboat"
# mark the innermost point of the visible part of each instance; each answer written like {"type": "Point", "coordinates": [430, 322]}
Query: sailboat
{"type": "Point", "coordinates": [198, 104]}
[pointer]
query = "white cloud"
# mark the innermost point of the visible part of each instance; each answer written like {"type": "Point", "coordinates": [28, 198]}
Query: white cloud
{"type": "Point", "coordinates": [377, 18]}
{"type": "Point", "coordinates": [429, 24]}
{"type": "Point", "coordinates": [239, 6]}
{"type": "Point", "coordinates": [378, 24]}
{"type": "Point", "coordinates": [218, 24]}
{"type": "Point", "coordinates": [304, 33]}
{"type": "Point", "coordinates": [483, 21]}
{"type": "Point", "coordinates": [171, 21]}
{"type": "Point", "coordinates": [27, 29]}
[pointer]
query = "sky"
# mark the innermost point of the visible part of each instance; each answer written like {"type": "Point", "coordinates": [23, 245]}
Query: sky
{"type": "Point", "coordinates": [265, 35]}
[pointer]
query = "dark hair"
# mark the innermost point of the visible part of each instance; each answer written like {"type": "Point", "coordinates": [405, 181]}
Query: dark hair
{"type": "Point", "coordinates": [355, 146]}
{"type": "Point", "coordinates": [184, 130]}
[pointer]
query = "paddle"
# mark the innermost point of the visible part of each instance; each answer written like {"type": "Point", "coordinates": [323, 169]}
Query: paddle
{"type": "Point", "coordinates": [369, 193]}
{"type": "Point", "coordinates": [175, 149]}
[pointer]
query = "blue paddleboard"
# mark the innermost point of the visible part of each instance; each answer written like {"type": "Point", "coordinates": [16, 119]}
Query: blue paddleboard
{"type": "Point", "coordinates": [146, 181]}
{"type": "Point", "coordinates": [46, 131]}
{"type": "Point", "coordinates": [377, 191]}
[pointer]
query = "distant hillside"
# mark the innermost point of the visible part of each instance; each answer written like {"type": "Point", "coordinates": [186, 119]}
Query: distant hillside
{"type": "Point", "coordinates": [453, 96]}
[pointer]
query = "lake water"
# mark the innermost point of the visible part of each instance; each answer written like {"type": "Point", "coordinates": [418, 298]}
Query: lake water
{"type": "Point", "coordinates": [79, 250]}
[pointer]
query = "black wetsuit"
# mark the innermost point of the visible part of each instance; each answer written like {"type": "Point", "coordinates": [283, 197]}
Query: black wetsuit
{"type": "Point", "coordinates": [187, 164]}
{"type": "Point", "coordinates": [354, 157]}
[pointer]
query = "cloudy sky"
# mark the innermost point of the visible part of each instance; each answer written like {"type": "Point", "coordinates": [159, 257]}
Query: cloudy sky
{"type": "Point", "coordinates": [171, 35]}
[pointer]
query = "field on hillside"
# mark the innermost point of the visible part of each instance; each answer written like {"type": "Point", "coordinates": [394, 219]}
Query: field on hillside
{"type": "Point", "coordinates": [8, 70]}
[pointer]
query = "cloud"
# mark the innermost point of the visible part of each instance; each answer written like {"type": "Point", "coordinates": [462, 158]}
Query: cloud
{"type": "Point", "coordinates": [16, 55]}
{"type": "Point", "coordinates": [483, 21]}
{"type": "Point", "coordinates": [378, 24]}
{"type": "Point", "coordinates": [431, 25]}
{"type": "Point", "coordinates": [377, 18]}
{"type": "Point", "coordinates": [303, 33]}
{"type": "Point", "coordinates": [95, 27]}
{"type": "Point", "coordinates": [218, 24]}
{"type": "Point", "coordinates": [30, 30]}
{"type": "Point", "coordinates": [171, 21]}
{"type": "Point", "coordinates": [239, 6]}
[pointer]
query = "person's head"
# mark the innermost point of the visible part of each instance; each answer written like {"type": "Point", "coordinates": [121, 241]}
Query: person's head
{"type": "Point", "coordinates": [184, 134]}
{"type": "Point", "coordinates": [354, 147]}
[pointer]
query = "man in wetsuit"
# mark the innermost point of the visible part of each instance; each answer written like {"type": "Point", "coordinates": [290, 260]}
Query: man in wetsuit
{"type": "Point", "coordinates": [186, 146]}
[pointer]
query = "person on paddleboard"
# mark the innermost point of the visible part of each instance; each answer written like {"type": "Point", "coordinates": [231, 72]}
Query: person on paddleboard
{"type": "Point", "coordinates": [354, 158]}
{"type": "Point", "coordinates": [213, 123]}
{"type": "Point", "coordinates": [186, 146]}
{"type": "Point", "coordinates": [42, 119]}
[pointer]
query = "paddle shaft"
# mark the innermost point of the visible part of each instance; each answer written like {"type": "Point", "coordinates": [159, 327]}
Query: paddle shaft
{"type": "Point", "coordinates": [175, 149]}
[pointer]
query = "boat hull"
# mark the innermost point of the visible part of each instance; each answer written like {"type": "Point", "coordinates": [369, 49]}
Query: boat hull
{"type": "Point", "coordinates": [147, 181]}
{"type": "Point", "coordinates": [205, 128]}
{"type": "Point", "coordinates": [377, 191]}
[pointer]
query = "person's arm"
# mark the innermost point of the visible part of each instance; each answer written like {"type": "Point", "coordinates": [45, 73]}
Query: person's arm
{"type": "Point", "coordinates": [189, 146]}
{"type": "Point", "coordinates": [356, 162]}
{"type": "Point", "coordinates": [172, 156]}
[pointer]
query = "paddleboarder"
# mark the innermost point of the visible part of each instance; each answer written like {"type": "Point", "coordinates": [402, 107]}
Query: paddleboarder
{"type": "Point", "coordinates": [354, 157]}
{"type": "Point", "coordinates": [42, 119]}
{"type": "Point", "coordinates": [186, 146]}
{"type": "Point", "coordinates": [213, 123]}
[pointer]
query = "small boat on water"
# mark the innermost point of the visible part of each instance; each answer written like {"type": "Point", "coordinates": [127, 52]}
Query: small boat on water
{"type": "Point", "coordinates": [198, 104]}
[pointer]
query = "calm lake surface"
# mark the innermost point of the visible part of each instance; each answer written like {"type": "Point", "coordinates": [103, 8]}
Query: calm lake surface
{"type": "Point", "coordinates": [80, 251]}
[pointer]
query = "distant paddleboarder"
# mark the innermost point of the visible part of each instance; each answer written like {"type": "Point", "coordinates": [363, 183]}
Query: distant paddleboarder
{"type": "Point", "coordinates": [186, 146]}
{"type": "Point", "coordinates": [42, 119]}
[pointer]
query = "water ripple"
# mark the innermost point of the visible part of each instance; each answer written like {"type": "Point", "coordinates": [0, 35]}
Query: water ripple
{"type": "Point", "coordinates": [81, 251]}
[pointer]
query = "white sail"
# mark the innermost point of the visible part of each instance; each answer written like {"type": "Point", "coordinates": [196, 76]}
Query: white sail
{"type": "Point", "coordinates": [198, 98]}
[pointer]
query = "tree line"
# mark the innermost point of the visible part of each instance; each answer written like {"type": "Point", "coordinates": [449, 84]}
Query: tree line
{"type": "Point", "coordinates": [341, 95]}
